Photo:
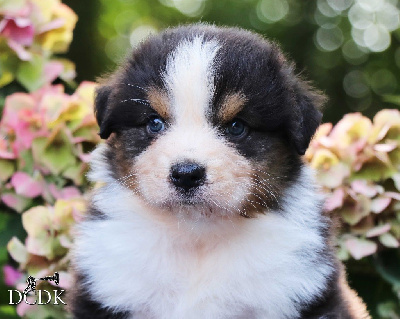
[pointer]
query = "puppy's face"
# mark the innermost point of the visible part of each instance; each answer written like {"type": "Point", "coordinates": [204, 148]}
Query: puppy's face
{"type": "Point", "coordinates": [207, 118]}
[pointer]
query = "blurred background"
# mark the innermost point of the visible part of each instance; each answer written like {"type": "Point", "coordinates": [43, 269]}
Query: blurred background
{"type": "Point", "coordinates": [349, 49]}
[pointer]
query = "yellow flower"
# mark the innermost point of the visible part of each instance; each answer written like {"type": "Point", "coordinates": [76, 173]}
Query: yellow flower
{"type": "Point", "coordinates": [353, 128]}
{"type": "Point", "coordinates": [43, 12]}
{"type": "Point", "coordinates": [386, 125]}
{"type": "Point", "coordinates": [58, 40]}
{"type": "Point", "coordinates": [324, 159]}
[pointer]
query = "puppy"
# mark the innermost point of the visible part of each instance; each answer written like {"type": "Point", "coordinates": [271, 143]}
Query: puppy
{"type": "Point", "coordinates": [205, 209]}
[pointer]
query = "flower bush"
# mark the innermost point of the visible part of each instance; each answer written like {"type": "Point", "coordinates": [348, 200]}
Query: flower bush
{"type": "Point", "coordinates": [44, 152]}
{"type": "Point", "coordinates": [31, 32]}
{"type": "Point", "coordinates": [43, 158]}
{"type": "Point", "coordinates": [358, 166]}
{"type": "Point", "coordinates": [358, 163]}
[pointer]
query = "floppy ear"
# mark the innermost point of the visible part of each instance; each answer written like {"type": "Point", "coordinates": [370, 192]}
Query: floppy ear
{"type": "Point", "coordinates": [306, 117]}
{"type": "Point", "coordinates": [100, 110]}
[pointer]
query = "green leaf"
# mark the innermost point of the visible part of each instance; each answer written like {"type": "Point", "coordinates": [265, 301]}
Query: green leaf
{"type": "Point", "coordinates": [8, 312]}
{"type": "Point", "coordinates": [6, 77]}
{"type": "Point", "coordinates": [395, 156]}
{"type": "Point", "coordinates": [56, 155]}
{"type": "Point", "coordinates": [389, 310]}
{"type": "Point", "coordinates": [387, 263]}
{"type": "Point", "coordinates": [389, 240]}
{"type": "Point", "coordinates": [11, 225]}
{"type": "Point", "coordinates": [8, 63]}
{"type": "Point", "coordinates": [17, 250]}
{"type": "Point", "coordinates": [352, 214]}
{"type": "Point", "coordinates": [30, 73]}
{"type": "Point", "coordinates": [374, 172]}
{"type": "Point", "coordinates": [76, 174]}
{"type": "Point", "coordinates": [395, 99]}
{"type": "Point", "coordinates": [7, 168]}
{"type": "Point", "coordinates": [26, 162]}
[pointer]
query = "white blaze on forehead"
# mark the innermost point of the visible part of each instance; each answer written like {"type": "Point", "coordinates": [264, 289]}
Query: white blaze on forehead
{"type": "Point", "coordinates": [189, 79]}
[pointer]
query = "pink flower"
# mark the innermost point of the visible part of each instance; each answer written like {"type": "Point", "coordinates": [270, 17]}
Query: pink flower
{"type": "Point", "coordinates": [52, 70]}
{"type": "Point", "coordinates": [11, 275]}
{"type": "Point", "coordinates": [65, 193]}
{"type": "Point", "coordinates": [23, 308]}
{"type": "Point", "coordinates": [25, 185]}
{"type": "Point", "coordinates": [19, 30]}
{"type": "Point", "coordinates": [22, 120]}
{"type": "Point", "coordinates": [4, 151]}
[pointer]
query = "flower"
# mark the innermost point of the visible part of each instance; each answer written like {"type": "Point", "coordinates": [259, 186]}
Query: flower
{"type": "Point", "coordinates": [56, 35]}
{"type": "Point", "coordinates": [34, 30]}
{"type": "Point", "coordinates": [42, 149]}
{"type": "Point", "coordinates": [357, 163]}
{"type": "Point", "coordinates": [11, 275]}
{"type": "Point", "coordinates": [49, 230]}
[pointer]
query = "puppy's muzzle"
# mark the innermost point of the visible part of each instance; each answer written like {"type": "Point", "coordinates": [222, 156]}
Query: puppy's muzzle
{"type": "Point", "coordinates": [187, 176]}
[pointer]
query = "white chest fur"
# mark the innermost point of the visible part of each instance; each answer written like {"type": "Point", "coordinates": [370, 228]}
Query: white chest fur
{"type": "Point", "coordinates": [249, 268]}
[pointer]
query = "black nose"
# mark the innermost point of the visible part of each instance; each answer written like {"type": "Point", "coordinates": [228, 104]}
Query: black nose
{"type": "Point", "coordinates": [187, 175]}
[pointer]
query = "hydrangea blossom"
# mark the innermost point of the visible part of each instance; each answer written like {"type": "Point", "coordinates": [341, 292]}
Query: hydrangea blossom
{"type": "Point", "coordinates": [358, 162]}
{"type": "Point", "coordinates": [31, 31]}
{"type": "Point", "coordinates": [45, 141]}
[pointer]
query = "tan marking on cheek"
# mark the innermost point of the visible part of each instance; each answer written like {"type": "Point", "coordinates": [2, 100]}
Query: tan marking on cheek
{"type": "Point", "coordinates": [159, 102]}
{"type": "Point", "coordinates": [264, 194]}
{"type": "Point", "coordinates": [232, 104]}
{"type": "Point", "coordinates": [269, 180]}
{"type": "Point", "coordinates": [121, 164]}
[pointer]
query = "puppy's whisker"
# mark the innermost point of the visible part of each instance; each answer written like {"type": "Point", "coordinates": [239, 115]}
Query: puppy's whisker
{"type": "Point", "coordinates": [275, 176]}
{"type": "Point", "coordinates": [264, 182]}
{"type": "Point", "coordinates": [273, 194]}
{"type": "Point", "coordinates": [135, 86]}
{"type": "Point", "coordinates": [264, 186]}
{"type": "Point", "coordinates": [229, 206]}
{"type": "Point", "coordinates": [234, 207]}
{"type": "Point", "coordinates": [141, 101]}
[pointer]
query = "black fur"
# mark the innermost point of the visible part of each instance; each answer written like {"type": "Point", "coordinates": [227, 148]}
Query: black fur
{"type": "Point", "coordinates": [82, 306]}
{"type": "Point", "coordinates": [247, 63]}
{"type": "Point", "coordinates": [328, 305]}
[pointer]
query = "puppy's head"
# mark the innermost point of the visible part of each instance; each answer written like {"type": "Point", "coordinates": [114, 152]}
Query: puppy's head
{"type": "Point", "coordinates": [207, 117]}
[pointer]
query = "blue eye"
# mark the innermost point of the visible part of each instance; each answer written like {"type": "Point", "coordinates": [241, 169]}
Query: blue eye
{"type": "Point", "coordinates": [236, 128]}
{"type": "Point", "coordinates": [155, 125]}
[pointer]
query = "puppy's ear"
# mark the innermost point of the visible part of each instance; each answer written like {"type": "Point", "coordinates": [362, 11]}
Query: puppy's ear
{"type": "Point", "coordinates": [101, 109]}
{"type": "Point", "coordinates": [306, 117]}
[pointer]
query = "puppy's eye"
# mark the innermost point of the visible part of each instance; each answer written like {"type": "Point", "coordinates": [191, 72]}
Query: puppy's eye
{"type": "Point", "coordinates": [155, 125]}
{"type": "Point", "coordinates": [237, 128]}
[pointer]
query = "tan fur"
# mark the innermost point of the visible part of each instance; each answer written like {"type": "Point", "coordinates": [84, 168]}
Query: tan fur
{"type": "Point", "coordinates": [226, 185]}
{"type": "Point", "coordinates": [356, 306]}
{"type": "Point", "coordinates": [159, 102]}
{"type": "Point", "coordinates": [123, 170]}
{"type": "Point", "coordinates": [232, 104]}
